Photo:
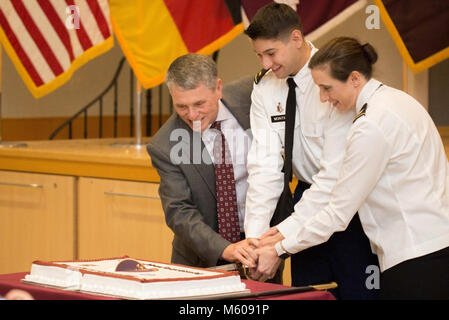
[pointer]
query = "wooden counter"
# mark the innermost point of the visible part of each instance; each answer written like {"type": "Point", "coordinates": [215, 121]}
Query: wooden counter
{"type": "Point", "coordinates": [79, 199]}
{"type": "Point", "coordinates": [100, 158]}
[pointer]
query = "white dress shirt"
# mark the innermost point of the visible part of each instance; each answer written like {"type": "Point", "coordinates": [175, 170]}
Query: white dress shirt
{"type": "Point", "coordinates": [395, 173]}
{"type": "Point", "coordinates": [239, 143]}
{"type": "Point", "coordinates": [318, 149]}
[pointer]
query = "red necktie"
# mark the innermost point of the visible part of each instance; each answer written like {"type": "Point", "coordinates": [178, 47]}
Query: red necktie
{"type": "Point", "coordinates": [227, 214]}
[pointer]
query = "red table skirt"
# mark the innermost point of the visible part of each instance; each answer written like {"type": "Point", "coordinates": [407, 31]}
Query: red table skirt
{"type": "Point", "coordinates": [13, 281]}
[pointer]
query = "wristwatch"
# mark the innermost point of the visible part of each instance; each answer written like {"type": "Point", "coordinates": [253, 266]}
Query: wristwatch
{"type": "Point", "coordinates": [282, 253]}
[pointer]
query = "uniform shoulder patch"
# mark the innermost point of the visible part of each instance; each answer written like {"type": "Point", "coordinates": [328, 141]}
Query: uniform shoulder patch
{"type": "Point", "coordinates": [260, 75]}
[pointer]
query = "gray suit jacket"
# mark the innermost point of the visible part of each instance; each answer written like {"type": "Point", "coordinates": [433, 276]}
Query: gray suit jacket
{"type": "Point", "coordinates": [187, 190]}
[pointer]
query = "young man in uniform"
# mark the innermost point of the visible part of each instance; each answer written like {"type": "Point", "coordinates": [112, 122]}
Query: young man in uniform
{"type": "Point", "coordinates": [317, 152]}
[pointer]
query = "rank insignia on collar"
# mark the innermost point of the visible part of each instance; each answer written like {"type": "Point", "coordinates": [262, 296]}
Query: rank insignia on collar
{"type": "Point", "coordinates": [361, 113]}
{"type": "Point", "coordinates": [260, 75]}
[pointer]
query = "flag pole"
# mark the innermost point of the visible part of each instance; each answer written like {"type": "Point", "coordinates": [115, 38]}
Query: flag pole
{"type": "Point", "coordinates": [138, 117]}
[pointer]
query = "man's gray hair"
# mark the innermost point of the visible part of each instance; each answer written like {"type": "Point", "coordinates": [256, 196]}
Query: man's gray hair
{"type": "Point", "coordinates": [190, 70]}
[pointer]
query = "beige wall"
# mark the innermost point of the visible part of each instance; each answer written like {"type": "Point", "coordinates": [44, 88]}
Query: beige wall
{"type": "Point", "coordinates": [236, 59]}
{"type": "Point", "coordinates": [438, 90]}
{"type": "Point", "coordinates": [388, 67]}
{"type": "Point", "coordinates": [86, 83]}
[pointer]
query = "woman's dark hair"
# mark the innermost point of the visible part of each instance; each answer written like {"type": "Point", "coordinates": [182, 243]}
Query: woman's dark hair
{"type": "Point", "coordinates": [344, 55]}
{"type": "Point", "coordinates": [273, 21]}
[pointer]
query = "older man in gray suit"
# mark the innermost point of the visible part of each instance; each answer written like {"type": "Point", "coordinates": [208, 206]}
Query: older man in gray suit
{"type": "Point", "coordinates": [183, 153]}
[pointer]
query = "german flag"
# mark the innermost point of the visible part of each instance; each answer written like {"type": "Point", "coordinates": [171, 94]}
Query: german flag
{"type": "Point", "coordinates": [154, 33]}
{"type": "Point", "coordinates": [419, 28]}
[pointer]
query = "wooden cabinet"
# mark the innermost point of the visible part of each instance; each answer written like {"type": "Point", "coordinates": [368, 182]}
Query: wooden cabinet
{"type": "Point", "coordinates": [79, 199]}
{"type": "Point", "coordinates": [86, 199]}
{"type": "Point", "coordinates": [37, 219]}
{"type": "Point", "coordinates": [118, 217]}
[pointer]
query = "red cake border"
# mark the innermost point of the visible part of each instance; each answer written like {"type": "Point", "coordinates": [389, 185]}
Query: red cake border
{"type": "Point", "coordinates": [222, 274]}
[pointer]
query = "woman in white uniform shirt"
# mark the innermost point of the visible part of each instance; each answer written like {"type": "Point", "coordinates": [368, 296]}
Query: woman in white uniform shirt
{"type": "Point", "coordinates": [395, 174]}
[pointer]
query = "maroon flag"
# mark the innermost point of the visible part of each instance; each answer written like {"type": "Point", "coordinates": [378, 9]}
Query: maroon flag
{"type": "Point", "coordinates": [419, 28]}
{"type": "Point", "coordinates": [313, 13]}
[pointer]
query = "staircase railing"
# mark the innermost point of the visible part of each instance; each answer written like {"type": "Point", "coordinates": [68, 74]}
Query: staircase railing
{"type": "Point", "coordinates": [113, 85]}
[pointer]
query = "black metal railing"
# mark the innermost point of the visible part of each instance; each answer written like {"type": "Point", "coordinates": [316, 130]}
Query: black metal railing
{"type": "Point", "coordinates": [98, 101]}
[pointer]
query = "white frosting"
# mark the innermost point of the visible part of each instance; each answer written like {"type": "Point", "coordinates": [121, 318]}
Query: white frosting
{"type": "Point", "coordinates": [55, 276]}
{"type": "Point", "coordinates": [189, 286]}
{"type": "Point", "coordinates": [158, 290]}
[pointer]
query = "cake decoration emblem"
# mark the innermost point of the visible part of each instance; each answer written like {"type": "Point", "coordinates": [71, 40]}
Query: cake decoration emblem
{"type": "Point", "coordinates": [130, 265]}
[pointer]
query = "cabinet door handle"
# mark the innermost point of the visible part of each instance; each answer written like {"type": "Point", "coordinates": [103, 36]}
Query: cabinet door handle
{"type": "Point", "coordinates": [26, 185]}
{"type": "Point", "coordinates": [133, 195]}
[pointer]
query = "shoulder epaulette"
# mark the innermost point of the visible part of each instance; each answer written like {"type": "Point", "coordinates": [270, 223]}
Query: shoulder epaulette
{"type": "Point", "coordinates": [361, 113]}
{"type": "Point", "coordinates": [260, 75]}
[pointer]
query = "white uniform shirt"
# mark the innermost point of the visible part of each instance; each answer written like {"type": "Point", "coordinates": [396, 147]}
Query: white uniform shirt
{"type": "Point", "coordinates": [318, 150]}
{"type": "Point", "coordinates": [395, 173]}
{"type": "Point", "coordinates": [239, 143]}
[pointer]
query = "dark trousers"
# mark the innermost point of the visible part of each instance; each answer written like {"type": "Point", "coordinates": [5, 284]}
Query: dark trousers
{"type": "Point", "coordinates": [344, 258]}
{"type": "Point", "coordinates": [425, 277]}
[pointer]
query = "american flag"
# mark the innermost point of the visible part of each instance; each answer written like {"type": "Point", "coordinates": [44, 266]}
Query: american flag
{"type": "Point", "coordinates": [47, 40]}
